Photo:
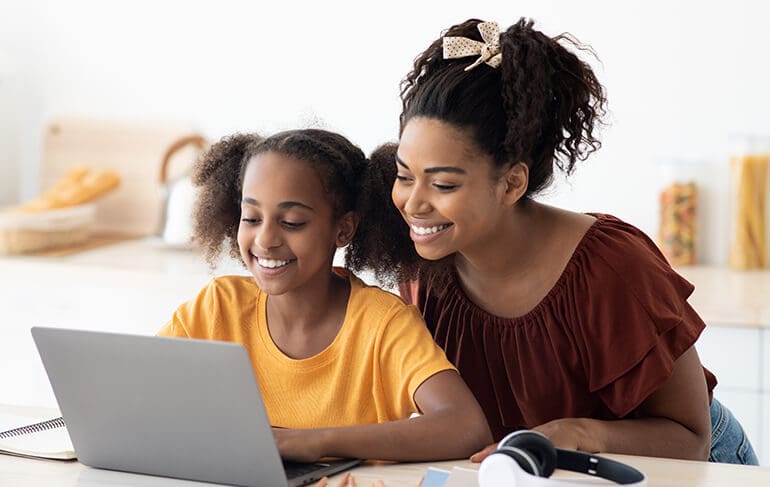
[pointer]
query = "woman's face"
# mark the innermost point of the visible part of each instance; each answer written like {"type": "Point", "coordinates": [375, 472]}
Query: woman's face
{"type": "Point", "coordinates": [445, 189]}
{"type": "Point", "coordinates": [288, 233]}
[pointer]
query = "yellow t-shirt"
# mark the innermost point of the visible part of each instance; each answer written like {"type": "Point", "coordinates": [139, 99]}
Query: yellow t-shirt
{"type": "Point", "coordinates": [368, 374]}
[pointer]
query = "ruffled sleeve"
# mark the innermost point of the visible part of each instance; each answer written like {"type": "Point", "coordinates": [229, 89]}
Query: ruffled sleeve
{"type": "Point", "coordinates": [409, 291]}
{"type": "Point", "coordinates": [634, 321]}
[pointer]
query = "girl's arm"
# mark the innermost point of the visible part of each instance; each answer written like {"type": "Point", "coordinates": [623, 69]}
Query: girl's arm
{"type": "Point", "coordinates": [672, 422]}
{"type": "Point", "coordinates": [452, 425]}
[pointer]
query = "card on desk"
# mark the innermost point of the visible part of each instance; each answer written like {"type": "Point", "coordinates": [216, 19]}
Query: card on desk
{"type": "Point", "coordinates": [457, 477]}
{"type": "Point", "coordinates": [35, 437]}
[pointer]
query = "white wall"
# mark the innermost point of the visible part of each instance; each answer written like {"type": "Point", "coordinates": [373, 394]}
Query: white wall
{"type": "Point", "coordinates": [681, 77]}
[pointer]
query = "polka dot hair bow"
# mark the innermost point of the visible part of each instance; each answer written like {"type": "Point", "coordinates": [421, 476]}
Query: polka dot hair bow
{"type": "Point", "coordinates": [488, 51]}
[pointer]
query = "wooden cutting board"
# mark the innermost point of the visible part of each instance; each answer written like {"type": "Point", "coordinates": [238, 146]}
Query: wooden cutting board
{"type": "Point", "coordinates": [134, 150]}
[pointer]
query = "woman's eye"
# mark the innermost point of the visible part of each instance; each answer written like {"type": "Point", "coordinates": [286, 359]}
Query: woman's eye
{"type": "Point", "coordinates": [402, 178]}
{"type": "Point", "coordinates": [250, 221]}
{"type": "Point", "coordinates": [444, 187]}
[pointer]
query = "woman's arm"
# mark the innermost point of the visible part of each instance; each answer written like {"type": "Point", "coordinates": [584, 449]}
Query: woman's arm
{"type": "Point", "coordinates": [672, 422]}
{"type": "Point", "coordinates": [452, 425]}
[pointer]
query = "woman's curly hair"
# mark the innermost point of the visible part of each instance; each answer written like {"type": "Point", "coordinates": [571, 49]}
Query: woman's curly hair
{"type": "Point", "coordinates": [539, 107]}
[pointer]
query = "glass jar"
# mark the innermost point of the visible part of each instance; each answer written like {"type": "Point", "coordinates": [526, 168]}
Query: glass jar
{"type": "Point", "coordinates": [749, 187]}
{"type": "Point", "coordinates": [678, 210]}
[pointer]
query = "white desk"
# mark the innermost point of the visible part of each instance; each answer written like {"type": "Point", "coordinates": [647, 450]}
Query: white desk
{"type": "Point", "coordinates": [660, 472]}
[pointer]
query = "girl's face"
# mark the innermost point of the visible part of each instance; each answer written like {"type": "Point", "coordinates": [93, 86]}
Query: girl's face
{"type": "Point", "coordinates": [287, 234]}
{"type": "Point", "coordinates": [445, 189]}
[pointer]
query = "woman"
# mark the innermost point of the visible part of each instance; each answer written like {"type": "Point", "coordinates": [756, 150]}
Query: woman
{"type": "Point", "coordinates": [567, 323]}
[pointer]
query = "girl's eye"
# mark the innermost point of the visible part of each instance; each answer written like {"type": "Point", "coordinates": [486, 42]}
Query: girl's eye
{"type": "Point", "coordinates": [250, 221]}
{"type": "Point", "coordinates": [294, 225]}
{"type": "Point", "coordinates": [402, 178]}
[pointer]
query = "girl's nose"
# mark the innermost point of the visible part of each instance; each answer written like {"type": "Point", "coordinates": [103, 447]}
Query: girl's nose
{"type": "Point", "coordinates": [267, 237]}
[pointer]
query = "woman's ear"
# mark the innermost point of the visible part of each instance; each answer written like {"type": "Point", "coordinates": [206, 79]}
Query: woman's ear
{"type": "Point", "coordinates": [346, 228]}
{"type": "Point", "coordinates": [513, 183]}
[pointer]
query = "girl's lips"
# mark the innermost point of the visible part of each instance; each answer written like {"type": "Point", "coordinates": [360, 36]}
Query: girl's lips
{"type": "Point", "coordinates": [272, 271]}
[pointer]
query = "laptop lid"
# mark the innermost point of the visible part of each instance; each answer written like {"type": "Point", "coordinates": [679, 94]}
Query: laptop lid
{"type": "Point", "coordinates": [163, 406]}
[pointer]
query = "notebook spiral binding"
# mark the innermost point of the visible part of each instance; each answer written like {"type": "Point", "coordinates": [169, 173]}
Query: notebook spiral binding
{"type": "Point", "coordinates": [33, 428]}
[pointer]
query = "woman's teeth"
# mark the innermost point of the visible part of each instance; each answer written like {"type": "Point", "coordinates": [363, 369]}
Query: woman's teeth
{"type": "Point", "coordinates": [272, 264]}
{"type": "Point", "coordinates": [428, 230]}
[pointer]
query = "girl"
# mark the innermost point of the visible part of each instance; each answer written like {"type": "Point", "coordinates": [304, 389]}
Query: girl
{"type": "Point", "coordinates": [571, 324]}
{"type": "Point", "coordinates": [341, 365]}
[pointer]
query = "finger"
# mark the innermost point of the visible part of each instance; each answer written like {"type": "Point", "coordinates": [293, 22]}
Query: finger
{"type": "Point", "coordinates": [323, 482]}
{"type": "Point", "coordinates": [481, 455]}
{"type": "Point", "coordinates": [346, 480]}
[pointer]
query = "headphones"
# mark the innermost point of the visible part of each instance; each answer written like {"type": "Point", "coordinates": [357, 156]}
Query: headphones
{"type": "Point", "coordinates": [527, 458]}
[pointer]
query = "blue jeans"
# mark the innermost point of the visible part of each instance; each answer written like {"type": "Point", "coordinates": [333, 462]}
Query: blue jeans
{"type": "Point", "coordinates": [729, 443]}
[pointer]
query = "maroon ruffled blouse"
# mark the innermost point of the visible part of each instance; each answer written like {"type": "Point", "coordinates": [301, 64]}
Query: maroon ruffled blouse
{"type": "Point", "coordinates": [601, 341]}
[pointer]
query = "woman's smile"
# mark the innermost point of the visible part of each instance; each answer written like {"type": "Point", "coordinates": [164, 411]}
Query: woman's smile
{"type": "Point", "coordinates": [424, 233]}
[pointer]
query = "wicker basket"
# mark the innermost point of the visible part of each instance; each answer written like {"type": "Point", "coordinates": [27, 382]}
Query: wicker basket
{"type": "Point", "coordinates": [22, 233]}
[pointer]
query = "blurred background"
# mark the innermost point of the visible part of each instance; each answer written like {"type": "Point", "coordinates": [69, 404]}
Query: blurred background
{"type": "Point", "coordinates": [683, 80]}
{"type": "Point", "coordinates": [115, 88]}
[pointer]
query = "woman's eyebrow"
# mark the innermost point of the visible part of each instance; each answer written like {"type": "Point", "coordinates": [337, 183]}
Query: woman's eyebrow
{"type": "Point", "coordinates": [434, 169]}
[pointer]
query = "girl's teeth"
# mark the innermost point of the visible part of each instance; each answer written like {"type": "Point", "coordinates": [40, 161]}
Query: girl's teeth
{"type": "Point", "coordinates": [428, 230]}
{"type": "Point", "coordinates": [272, 264]}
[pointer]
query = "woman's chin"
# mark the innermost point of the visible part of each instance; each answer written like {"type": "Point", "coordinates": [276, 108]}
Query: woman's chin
{"type": "Point", "coordinates": [428, 253]}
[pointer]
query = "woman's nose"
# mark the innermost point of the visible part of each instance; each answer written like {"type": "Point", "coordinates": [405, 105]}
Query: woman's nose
{"type": "Point", "coordinates": [416, 203]}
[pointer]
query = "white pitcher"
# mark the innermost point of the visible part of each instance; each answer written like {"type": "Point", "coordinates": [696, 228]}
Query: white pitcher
{"type": "Point", "coordinates": [176, 226]}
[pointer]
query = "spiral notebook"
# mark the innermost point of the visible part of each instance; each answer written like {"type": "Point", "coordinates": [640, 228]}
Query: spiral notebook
{"type": "Point", "coordinates": [27, 437]}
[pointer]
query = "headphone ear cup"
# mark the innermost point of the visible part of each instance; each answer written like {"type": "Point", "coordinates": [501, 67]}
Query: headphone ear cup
{"type": "Point", "coordinates": [537, 445]}
{"type": "Point", "coordinates": [527, 462]}
{"type": "Point", "coordinates": [497, 470]}
{"type": "Point", "coordinates": [504, 467]}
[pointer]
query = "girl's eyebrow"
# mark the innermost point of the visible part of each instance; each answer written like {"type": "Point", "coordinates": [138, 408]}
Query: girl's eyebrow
{"type": "Point", "coordinates": [434, 169]}
{"type": "Point", "coordinates": [285, 205]}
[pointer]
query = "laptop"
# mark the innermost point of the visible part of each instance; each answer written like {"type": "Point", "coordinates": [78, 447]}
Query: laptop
{"type": "Point", "coordinates": [171, 407]}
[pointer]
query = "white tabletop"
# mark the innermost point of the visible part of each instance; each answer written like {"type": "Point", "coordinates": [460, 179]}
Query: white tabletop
{"type": "Point", "coordinates": [15, 471]}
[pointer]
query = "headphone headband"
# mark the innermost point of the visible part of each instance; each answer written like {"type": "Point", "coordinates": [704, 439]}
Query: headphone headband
{"type": "Point", "coordinates": [605, 468]}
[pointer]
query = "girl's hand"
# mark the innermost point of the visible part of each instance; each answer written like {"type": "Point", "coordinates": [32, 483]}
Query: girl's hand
{"type": "Point", "coordinates": [347, 481]}
{"type": "Point", "coordinates": [298, 445]}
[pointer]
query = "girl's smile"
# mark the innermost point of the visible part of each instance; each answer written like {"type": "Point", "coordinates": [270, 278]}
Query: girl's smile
{"type": "Point", "coordinates": [272, 267]}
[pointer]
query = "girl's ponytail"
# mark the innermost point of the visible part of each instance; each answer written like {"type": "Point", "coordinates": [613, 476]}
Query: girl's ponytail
{"type": "Point", "coordinates": [382, 244]}
{"type": "Point", "coordinates": [218, 176]}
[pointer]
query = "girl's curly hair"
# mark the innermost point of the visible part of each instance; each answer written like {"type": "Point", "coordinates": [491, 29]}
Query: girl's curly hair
{"type": "Point", "coordinates": [539, 107]}
{"type": "Point", "coordinates": [218, 176]}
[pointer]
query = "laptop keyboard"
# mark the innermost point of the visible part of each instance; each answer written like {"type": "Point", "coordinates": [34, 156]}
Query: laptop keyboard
{"type": "Point", "coordinates": [294, 469]}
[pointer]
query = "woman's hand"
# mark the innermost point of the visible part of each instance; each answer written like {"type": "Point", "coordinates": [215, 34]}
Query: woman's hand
{"type": "Point", "coordinates": [482, 454]}
{"type": "Point", "coordinates": [567, 433]}
{"type": "Point", "coordinates": [298, 445]}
